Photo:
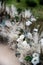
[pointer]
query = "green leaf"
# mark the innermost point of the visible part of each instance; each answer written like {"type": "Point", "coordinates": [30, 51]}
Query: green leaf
{"type": "Point", "coordinates": [28, 58]}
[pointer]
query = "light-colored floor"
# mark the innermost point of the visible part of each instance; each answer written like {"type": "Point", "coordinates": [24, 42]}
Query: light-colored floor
{"type": "Point", "coordinates": [7, 56]}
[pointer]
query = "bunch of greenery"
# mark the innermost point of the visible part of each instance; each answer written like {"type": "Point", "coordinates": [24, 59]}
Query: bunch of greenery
{"type": "Point", "coordinates": [17, 18]}
{"type": "Point", "coordinates": [28, 58]}
{"type": "Point", "coordinates": [41, 2]}
{"type": "Point", "coordinates": [18, 0]}
{"type": "Point", "coordinates": [19, 10]}
{"type": "Point", "coordinates": [31, 3]}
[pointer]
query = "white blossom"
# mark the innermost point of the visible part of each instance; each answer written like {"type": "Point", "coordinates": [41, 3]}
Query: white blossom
{"type": "Point", "coordinates": [35, 61]}
{"type": "Point", "coordinates": [33, 19]}
{"type": "Point", "coordinates": [35, 55]}
{"type": "Point", "coordinates": [28, 23]}
{"type": "Point", "coordinates": [27, 13]}
{"type": "Point", "coordinates": [35, 30]}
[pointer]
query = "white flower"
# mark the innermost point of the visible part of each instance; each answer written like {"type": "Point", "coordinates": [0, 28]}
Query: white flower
{"type": "Point", "coordinates": [18, 40]}
{"type": "Point", "coordinates": [35, 55]}
{"type": "Point", "coordinates": [35, 30]}
{"type": "Point", "coordinates": [33, 19]}
{"type": "Point", "coordinates": [27, 13]}
{"type": "Point", "coordinates": [35, 61]}
{"type": "Point", "coordinates": [28, 23]}
{"type": "Point", "coordinates": [24, 43]}
{"type": "Point", "coordinates": [22, 37]}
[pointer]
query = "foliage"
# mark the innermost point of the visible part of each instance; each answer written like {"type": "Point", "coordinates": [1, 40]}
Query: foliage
{"type": "Point", "coordinates": [17, 18]}
{"type": "Point", "coordinates": [31, 3]}
{"type": "Point", "coordinates": [37, 11]}
{"type": "Point", "coordinates": [3, 1]}
{"type": "Point", "coordinates": [28, 58]}
{"type": "Point", "coordinates": [21, 30]}
{"type": "Point", "coordinates": [41, 2]}
{"type": "Point", "coordinates": [19, 10]}
{"type": "Point", "coordinates": [18, 0]}
{"type": "Point", "coordinates": [3, 39]}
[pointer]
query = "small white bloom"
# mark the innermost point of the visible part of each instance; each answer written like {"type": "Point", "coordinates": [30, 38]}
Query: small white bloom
{"type": "Point", "coordinates": [35, 61]}
{"type": "Point", "coordinates": [24, 43]}
{"type": "Point", "coordinates": [27, 13]}
{"type": "Point", "coordinates": [35, 55]}
{"type": "Point", "coordinates": [35, 30]}
{"type": "Point", "coordinates": [28, 23]}
{"type": "Point", "coordinates": [22, 37]}
{"type": "Point", "coordinates": [33, 19]}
